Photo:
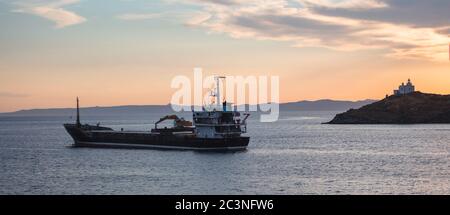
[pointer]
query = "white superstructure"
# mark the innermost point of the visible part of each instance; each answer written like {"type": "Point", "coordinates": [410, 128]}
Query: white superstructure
{"type": "Point", "coordinates": [219, 120]}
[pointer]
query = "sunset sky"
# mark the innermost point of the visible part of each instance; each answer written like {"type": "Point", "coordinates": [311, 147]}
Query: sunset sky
{"type": "Point", "coordinates": [120, 52]}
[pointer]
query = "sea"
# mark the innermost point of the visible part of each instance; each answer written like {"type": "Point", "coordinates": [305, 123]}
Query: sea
{"type": "Point", "coordinates": [295, 155]}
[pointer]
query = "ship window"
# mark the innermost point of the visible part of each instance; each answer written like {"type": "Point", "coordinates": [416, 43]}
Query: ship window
{"type": "Point", "coordinates": [202, 121]}
{"type": "Point", "coordinates": [220, 129]}
{"type": "Point", "coordinates": [227, 118]}
{"type": "Point", "coordinates": [226, 129]}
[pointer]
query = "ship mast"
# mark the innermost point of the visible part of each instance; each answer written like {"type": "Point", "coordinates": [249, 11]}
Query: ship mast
{"type": "Point", "coordinates": [78, 113]}
{"type": "Point", "coordinates": [218, 102]}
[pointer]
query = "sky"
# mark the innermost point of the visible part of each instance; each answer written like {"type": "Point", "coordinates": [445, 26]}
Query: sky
{"type": "Point", "coordinates": [121, 52]}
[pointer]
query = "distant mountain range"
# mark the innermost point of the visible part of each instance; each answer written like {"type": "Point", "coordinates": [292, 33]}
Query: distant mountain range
{"type": "Point", "coordinates": [127, 109]}
{"type": "Point", "coordinates": [325, 105]}
{"type": "Point", "coordinates": [319, 105]}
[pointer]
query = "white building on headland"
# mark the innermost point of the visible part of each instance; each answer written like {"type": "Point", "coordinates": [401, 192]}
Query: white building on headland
{"type": "Point", "coordinates": [405, 89]}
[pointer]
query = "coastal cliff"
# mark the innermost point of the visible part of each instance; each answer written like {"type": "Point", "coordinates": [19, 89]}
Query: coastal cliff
{"type": "Point", "coordinates": [413, 108]}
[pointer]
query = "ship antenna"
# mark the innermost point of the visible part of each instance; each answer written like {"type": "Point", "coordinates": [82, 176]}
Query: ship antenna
{"type": "Point", "coordinates": [78, 113]}
{"type": "Point", "coordinates": [217, 94]}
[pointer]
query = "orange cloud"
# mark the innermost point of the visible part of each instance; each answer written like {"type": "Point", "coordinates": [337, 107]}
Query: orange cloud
{"type": "Point", "coordinates": [304, 26]}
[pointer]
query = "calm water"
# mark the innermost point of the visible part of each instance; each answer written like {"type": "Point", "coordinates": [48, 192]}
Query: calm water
{"type": "Point", "coordinates": [296, 155]}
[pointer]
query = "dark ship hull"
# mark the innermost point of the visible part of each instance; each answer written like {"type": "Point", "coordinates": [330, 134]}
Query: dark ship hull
{"type": "Point", "coordinates": [103, 137]}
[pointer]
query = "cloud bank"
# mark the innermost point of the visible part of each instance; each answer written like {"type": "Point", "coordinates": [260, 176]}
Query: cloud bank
{"type": "Point", "coordinates": [411, 29]}
{"type": "Point", "coordinates": [51, 10]}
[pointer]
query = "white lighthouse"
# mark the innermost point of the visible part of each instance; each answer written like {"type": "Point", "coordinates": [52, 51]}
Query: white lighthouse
{"type": "Point", "coordinates": [405, 88]}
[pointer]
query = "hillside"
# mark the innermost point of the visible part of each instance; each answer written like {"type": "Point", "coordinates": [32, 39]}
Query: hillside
{"type": "Point", "coordinates": [412, 108]}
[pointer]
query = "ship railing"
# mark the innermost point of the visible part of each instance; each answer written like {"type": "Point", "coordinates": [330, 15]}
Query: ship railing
{"type": "Point", "coordinates": [243, 127]}
{"type": "Point", "coordinates": [229, 133]}
{"type": "Point", "coordinates": [216, 124]}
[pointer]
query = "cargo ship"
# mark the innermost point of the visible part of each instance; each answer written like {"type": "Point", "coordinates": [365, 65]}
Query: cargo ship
{"type": "Point", "coordinates": [216, 127]}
